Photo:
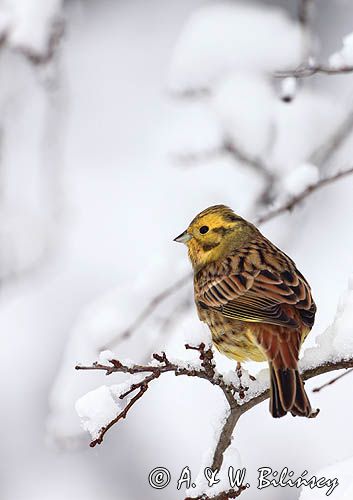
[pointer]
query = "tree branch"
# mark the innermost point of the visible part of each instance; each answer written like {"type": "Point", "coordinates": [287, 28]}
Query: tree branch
{"type": "Point", "coordinates": [296, 200]}
{"type": "Point", "coordinates": [207, 371]}
{"type": "Point", "coordinates": [305, 71]}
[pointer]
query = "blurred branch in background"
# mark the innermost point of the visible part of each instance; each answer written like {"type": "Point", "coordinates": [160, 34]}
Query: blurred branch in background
{"type": "Point", "coordinates": [313, 69]}
{"type": "Point", "coordinates": [340, 63]}
{"type": "Point", "coordinates": [304, 17]}
{"type": "Point", "coordinates": [324, 153]}
{"type": "Point", "coordinates": [257, 164]}
{"type": "Point", "coordinates": [30, 33]}
{"type": "Point", "coordinates": [149, 309]}
{"type": "Point", "coordinates": [56, 34]}
{"type": "Point", "coordinates": [36, 37]}
{"type": "Point", "coordinates": [295, 200]}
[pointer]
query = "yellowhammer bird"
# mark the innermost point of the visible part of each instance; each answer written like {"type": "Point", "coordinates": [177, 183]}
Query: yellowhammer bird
{"type": "Point", "coordinates": [256, 303]}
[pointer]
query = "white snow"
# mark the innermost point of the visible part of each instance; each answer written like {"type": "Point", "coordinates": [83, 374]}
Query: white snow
{"type": "Point", "coordinates": [300, 178]}
{"type": "Point", "coordinates": [206, 136]}
{"type": "Point", "coordinates": [224, 37]}
{"type": "Point", "coordinates": [344, 57]}
{"type": "Point", "coordinates": [24, 239]}
{"type": "Point", "coordinates": [255, 387]}
{"type": "Point", "coordinates": [96, 409]}
{"type": "Point", "coordinates": [245, 105]}
{"type": "Point", "coordinates": [344, 491]}
{"type": "Point", "coordinates": [288, 88]}
{"type": "Point", "coordinates": [106, 356]}
{"type": "Point", "coordinates": [337, 341]}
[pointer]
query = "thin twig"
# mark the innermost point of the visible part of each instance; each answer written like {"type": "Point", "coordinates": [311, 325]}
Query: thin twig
{"type": "Point", "coordinates": [256, 163]}
{"type": "Point", "coordinates": [310, 70]}
{"type": "Point", "coordinates": [295, 200]}
{"type": "Point", "coordinates": [228, 147]}
{"type": "Point", "coordinates": [121, 415]}
{"type": "Point", "coordinates": [318, 389]}
{"type": "Point", "coordinates": [323, 154]}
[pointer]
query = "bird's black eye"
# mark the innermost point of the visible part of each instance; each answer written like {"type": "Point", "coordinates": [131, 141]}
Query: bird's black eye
{"type": "Point", "coordinates": [203, 229]}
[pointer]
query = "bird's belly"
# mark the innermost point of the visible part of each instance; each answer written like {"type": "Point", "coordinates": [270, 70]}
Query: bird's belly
{"type": "Point", "coordinates": [235, 339]}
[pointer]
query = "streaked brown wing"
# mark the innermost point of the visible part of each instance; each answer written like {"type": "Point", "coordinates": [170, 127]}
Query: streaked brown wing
{"type": "Point", "coordinates": [260, 296]}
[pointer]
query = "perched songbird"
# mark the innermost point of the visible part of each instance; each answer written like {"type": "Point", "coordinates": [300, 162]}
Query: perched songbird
{"type": "Point", "coordinates": [256, 303]}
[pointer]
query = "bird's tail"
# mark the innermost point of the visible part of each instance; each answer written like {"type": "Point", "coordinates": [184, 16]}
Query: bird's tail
{"type": "Point", "coordinates": [288, 393]}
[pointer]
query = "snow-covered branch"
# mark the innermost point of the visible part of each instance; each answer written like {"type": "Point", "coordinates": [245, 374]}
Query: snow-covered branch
{"type": "Point", "coordinates": [240, 398]}
{"type": "Point", "coordinates": [204, 370]}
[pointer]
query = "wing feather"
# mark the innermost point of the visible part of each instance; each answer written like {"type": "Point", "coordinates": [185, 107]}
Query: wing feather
{"type": "Point", "coordinates": [263, 295]}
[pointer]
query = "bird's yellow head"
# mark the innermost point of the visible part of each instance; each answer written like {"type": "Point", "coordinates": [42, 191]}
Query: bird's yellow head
{"type": "Point", "coordinates": [213, 234]}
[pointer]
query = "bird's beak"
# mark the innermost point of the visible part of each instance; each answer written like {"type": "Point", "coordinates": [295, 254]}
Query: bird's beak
{"type": "Point", "coordinates": [183, 237]}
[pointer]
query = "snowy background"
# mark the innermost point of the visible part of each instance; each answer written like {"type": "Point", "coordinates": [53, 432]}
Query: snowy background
{"type": "Point", "coordinates": [109, 145]}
